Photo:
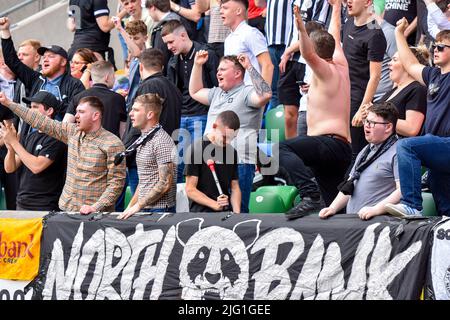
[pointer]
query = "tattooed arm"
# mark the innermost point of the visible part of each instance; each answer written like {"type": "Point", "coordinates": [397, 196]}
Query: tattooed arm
{"type": "Point", "coordinates": [263, 92]}
{"type": "Point", "coordinates": [162, 187]}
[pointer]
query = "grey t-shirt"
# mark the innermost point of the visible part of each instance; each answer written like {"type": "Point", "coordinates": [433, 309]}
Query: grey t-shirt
{"type": "Point", "coordinates": [376, 182]}
{"type": "Point", "coordinates": [238, 100]}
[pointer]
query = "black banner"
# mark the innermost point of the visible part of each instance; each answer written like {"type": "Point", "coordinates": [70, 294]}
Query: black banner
{"type": "Point", "coordinates": [202, 256]}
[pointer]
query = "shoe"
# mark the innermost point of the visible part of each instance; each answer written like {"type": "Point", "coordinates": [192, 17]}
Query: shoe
{"type": "Point", "coordinates": [305, 207]}
{"type": "Point", "coordinates": [402, 210]}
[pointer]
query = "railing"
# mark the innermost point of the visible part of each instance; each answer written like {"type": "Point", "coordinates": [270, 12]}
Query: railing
{"type": "Point", "coordinates": [41, 5]}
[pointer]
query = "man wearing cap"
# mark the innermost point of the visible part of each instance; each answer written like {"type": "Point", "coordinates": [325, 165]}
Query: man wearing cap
{"type": "Point", "coordinates": [54, 76]}
{"type": "Point", "coordinates": [93, 181]}
{"type": "Point", "coordinates": [43, 159]}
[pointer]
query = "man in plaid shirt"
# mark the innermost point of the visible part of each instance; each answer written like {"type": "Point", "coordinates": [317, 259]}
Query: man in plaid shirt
{"type": "Point", "coordinates": [155, 159]}
{"type": "Point", "coordinates": [93, 182]}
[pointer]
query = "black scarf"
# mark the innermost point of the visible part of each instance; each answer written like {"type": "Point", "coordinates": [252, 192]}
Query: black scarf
{"type": "Point", "coordinates": [348, 186]}
{"type": "Point", "coordinates": [118, 158]}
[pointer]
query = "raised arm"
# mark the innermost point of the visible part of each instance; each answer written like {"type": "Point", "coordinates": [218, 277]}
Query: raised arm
{"type": "Point", "coordinates": [409, 61]}
{"type": "Point", "coordinates": [196, 86]}
{"type": "Point", "coordinates": [335, 31]}
{"type": "Point", "coordinates": [27, 75]}
{"type": "Point", "coordinates": [263, 92]}
{"type": "Point", "coordinates": [319, 66]}
{"type": "Point", "coordinates": [134, 49]}
{"type": "Point", "coordinates": [55, 129]}
{"type": "Point", "coordinates": [193, 14]}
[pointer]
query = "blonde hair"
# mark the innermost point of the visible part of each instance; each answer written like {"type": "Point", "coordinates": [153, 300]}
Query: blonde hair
{"type": "Point", "coordinates": [422, 54]}
{"type": "Point", "coordinates": [36, 44]}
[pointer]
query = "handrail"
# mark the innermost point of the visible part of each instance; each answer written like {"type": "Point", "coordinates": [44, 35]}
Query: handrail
{"type": "Point", "coordinates": [16, 7]}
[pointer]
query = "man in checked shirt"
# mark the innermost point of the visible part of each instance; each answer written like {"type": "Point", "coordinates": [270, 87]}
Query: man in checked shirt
{"type": "Point", "coordinates": [93, 182]}
{"type": "Point", "coordinates": [155, 158]}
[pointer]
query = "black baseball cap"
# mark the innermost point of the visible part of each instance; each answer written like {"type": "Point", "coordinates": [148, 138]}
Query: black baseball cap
{"type": "Point", "coordinates": [43, 97]}
{"type": "Point", "coordinates": [55, 49]}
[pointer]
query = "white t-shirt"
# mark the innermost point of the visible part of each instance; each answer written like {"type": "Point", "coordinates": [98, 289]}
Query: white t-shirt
{"type": "Point", "coordinates": [248, 40]}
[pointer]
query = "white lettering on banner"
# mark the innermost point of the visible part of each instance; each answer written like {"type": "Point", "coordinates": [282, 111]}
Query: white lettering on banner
{"type": "Point", "coordinates": [215, 264]}
{"type": "Point", "coordinates": [60, 278]}
{"type": "Point", "coordinates": [271, 271]}
{"type": "Point", "coordinates": [440, 262]}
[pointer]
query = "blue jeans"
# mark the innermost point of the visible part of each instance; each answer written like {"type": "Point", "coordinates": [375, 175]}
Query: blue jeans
{"type": "Point", "coordinates": [275, 51]}
{"type": "Point", "coordinates": [132, 180]}
{"type": "Point", "coordinates": [171, 209]}
{"type": "Point", "coordinates": [434, 153]}
{"type": "Point", "coordinates": [195, 126]}
{"type": "Point", "coordinates": [246, 174]}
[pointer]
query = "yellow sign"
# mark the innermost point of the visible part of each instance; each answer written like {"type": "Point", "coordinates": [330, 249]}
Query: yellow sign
{"type": "Point", "coordinates": [20, 243]}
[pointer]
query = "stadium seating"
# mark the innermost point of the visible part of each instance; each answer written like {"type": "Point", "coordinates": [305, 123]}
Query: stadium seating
{"type": "Point", "coordinates": [272, 199]}
{"type": "Point", "coordinates": [429, 207]}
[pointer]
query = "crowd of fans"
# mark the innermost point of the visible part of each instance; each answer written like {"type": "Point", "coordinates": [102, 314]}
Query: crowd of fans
{"type": "Point", "coordinates": [364, 85]}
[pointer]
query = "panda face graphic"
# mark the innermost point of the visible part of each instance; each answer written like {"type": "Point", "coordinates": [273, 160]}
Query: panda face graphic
{"type": "Point", "coordinates": [214, 266]}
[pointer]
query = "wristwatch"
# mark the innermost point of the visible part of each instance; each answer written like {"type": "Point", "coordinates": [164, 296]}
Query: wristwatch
{"type": "Point", "coordinates": [178, 8]}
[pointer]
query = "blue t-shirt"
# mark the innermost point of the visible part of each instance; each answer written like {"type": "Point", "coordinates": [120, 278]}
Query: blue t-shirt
{"type": "Point", "coordinates": [437, 121]}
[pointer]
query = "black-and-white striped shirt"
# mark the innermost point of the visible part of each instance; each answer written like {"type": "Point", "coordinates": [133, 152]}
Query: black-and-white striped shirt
{"type": "Point", "coordinates": [279, 21]}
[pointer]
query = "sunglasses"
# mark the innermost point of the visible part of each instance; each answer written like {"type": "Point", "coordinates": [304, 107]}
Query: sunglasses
{"type": "Point", "coordinates": [440, 47]}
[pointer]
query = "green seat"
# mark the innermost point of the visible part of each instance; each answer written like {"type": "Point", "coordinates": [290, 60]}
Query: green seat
{"type": "Point", "coordinates": [274, 121]}
{"type": "Point", "coordinates": [297, 200]}
{"type": "Point", "coordinates": [128, 196]}
{"type": "Point", "coordinates": [287, 193]}
{"type": "Point", "coordinates": [429, 207]}
{"type": "Point", "coordinates": [261, 202]}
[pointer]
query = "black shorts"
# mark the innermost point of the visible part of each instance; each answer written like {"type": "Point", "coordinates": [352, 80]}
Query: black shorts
{"type": "Point", "coordinates": [288, 88]}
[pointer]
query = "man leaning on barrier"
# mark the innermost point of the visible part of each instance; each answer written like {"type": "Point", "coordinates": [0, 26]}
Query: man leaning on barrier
{"type": "Point", "coordinates": [155, 159]}
{"type": "Point", "coordinates": [93, 182]}
{"type": "Point", "coordinates": [373, 180]}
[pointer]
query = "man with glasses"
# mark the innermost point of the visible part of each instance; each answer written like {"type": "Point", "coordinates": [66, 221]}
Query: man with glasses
{"type": "Point", "coordinates": [373, 180]}
{"type": "Point", "coordinates": [433, 149]}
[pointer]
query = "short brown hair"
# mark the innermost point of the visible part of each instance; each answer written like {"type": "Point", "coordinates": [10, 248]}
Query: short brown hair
{"type": "Point", "coordinates": [94, 102]}
{"type": "Point", "coordinates": [86, 54]}
{"type": "Point", "coordinates": [36, 44]}
{"type": "Point", "coordinates": [422, 54]}
{"type": "Point", "coordinates": [151, 101]}
{"type": "Point", "coordinates": [443, 35]}
{"type": "Point", "coordinates": [162, 5]}
{"type": "Point", "coordinates": [324, 43]}
{"type": "Point", "coordinates": [243, 2]}
{"type": "Point", "coordinates": [235, 61]}
{"type": "Point", "coordinates": [229, 119]}
{"type": "Point", "coordinates": [312, 26]}
{"type": "Point", "coordinates": [152, 58]}
{"type": "Point", "coordinates": [387, 110]}
{"type": "Point", "coordinates": [135, 27]}
{"type": "Point", "coordinates": [171, 26]}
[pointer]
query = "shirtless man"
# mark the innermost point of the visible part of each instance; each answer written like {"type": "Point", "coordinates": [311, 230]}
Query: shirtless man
{"type": "Point", "coordinates": [326, 149]}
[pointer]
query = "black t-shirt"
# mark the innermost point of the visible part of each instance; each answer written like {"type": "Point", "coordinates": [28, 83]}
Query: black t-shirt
{"type": "Point", "coordinates": [190, 107]}
{"type": "Point", "coordinates": [88, 34]}
{"type": "Point", "coordinates": [114, 106]}
{"type": "Point", "coordinates": [437, 120]}
{"type": "Point", "coordinates": [226, 167]}
{"type": "Point", "coordinates": [361, 44]}
{"type": "Point", "coordinates": [397, 9]}
{"type": "Point", "coordinates": [411, 97]}
{"type": "Point", "coordinates": [41, 191]}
